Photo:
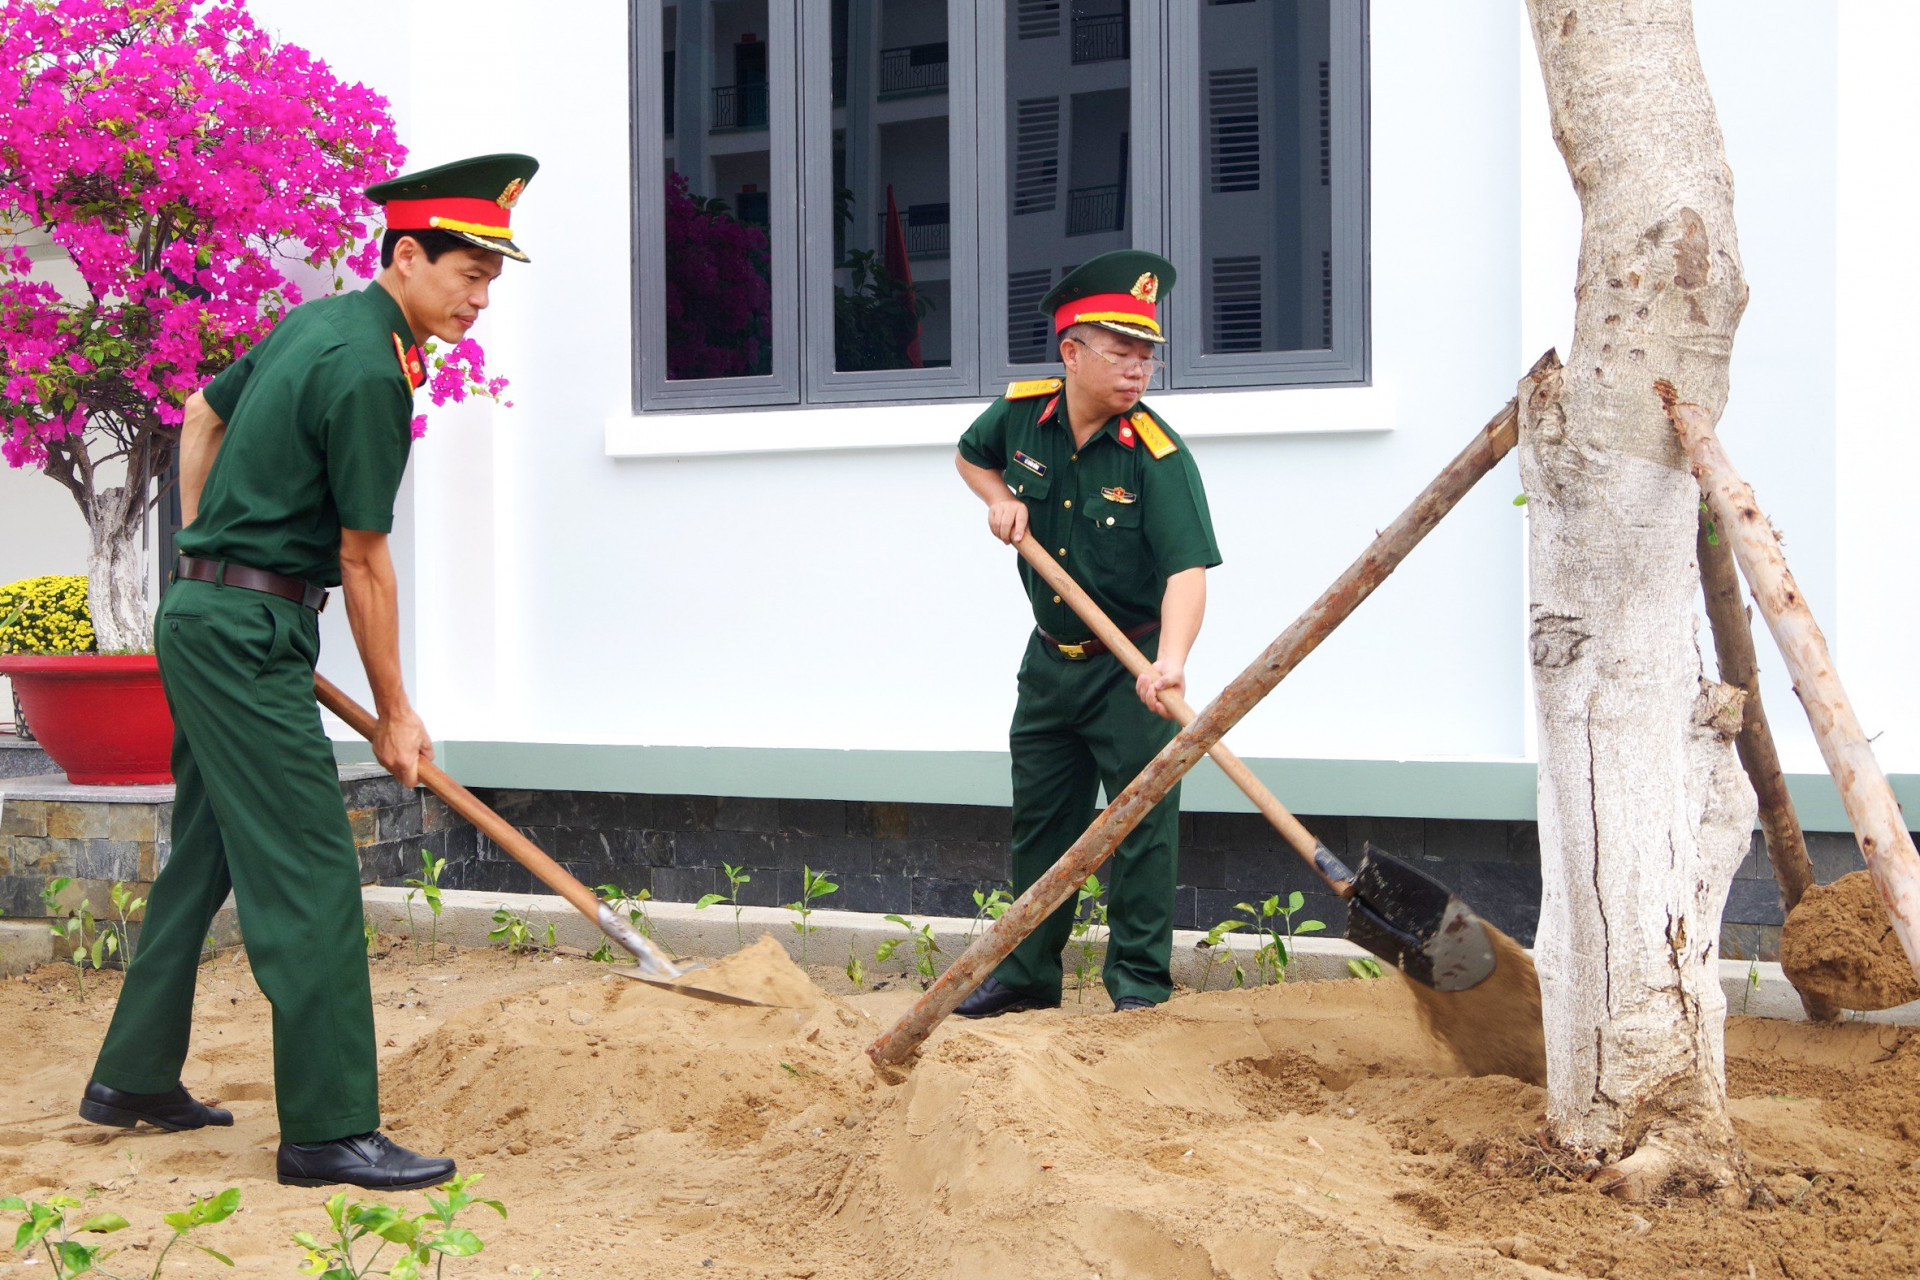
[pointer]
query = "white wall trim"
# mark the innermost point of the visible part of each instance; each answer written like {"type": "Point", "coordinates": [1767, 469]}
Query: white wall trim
{"type": "Point", "coordinates": [1195, 414]}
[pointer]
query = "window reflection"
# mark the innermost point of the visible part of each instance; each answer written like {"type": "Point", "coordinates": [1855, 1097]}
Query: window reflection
{"type": "Point", "coordinates": [1069, 126]}
{"type": "Point", "coordinates": [719, 258]}
{"type": "Point", "coordinates": [1266, 210]}
{"type": "Point", "coordinates": [892, 277]}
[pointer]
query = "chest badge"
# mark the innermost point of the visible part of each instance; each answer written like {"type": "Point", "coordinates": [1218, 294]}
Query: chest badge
{"type": "Point", "coordinates": [1032, 464]}
{"type": "Point", "coordinates": [1120, 495]}
{"type": "Point", "coordinates": [410, 363]}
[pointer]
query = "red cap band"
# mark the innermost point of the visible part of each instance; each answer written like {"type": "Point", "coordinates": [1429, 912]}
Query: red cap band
{"type": "Point", "coordinates": [467, 212]}
{"type": "Point", "coordinates": [1106, 306]}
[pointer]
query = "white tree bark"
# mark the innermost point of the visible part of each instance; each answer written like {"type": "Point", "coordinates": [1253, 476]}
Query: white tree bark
{"type": "Point", "coordinates": [117, 574]}
{"type": "Point", "coordinates": [1644, 810]}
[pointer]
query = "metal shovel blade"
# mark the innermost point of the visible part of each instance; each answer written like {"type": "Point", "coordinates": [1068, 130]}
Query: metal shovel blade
{"type": "Point", "coordinates": [686, 989]}
{"type": "Point", "coordinates": [1416, 924]}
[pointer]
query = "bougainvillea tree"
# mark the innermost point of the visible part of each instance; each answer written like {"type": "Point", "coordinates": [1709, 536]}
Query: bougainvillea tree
{"type": "Point", "coordinates": [181, 158]}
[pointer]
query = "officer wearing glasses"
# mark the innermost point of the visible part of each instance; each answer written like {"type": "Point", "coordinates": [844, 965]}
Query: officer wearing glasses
{"type": "Point", "coordinates": [1108, 488]}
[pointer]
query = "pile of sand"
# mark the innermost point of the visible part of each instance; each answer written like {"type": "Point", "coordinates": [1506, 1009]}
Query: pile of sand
{"type": "Point", "coordinates": [1309, 1130]}
{"type": "Point", "coordinates": [1839, 945]}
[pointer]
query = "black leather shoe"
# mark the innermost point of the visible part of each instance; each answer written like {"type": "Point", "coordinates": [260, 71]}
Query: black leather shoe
{"type": "Point", "coordinates": [1127, 1004]}
{"type": "Point", "coordinates": [993, 998]}
{"type": "Point", "coordinates": [372, 1161]}
{"type": "Point", "coordinates": [173, 1110]}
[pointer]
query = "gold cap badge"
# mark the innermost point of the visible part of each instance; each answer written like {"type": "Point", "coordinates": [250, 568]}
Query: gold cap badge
{"type": "Point", "coordinates": [511, 196]}
{"type": "Point", "coordinates": [1146, 288]}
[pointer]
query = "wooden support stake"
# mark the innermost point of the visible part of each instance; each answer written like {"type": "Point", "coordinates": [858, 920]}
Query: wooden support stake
{"type": "Point", "coordinates": [1878, 825]}
{"type": "Point", "coordinates": [1065, 877]}
{"type": "Point", "coordinates": [1733, 647]}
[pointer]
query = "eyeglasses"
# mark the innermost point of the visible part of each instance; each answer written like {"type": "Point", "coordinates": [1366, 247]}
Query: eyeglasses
{"type": "Point", "coordinates": [1127, 364]}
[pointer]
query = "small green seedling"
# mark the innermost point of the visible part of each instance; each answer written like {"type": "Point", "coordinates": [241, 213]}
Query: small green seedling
{"type": "Point", "coordinates": [78, 933]}
{"type": "Point", "coordinates": [856, 972]}
{"type": "Point", "coordinates": [426, 1240]}
{"type": "Point", "coordinates": [1276, 924]}
{"type": "Point", "coordinates": [511, 929]}
{"type": "Point", "coordinates": [46, 1225]}
{"type": "Point", "coordinates": [126, 905]}
{"type": "Point", "coordinates": [1089, 928]}
{"type": "Point", "coordinates": [813, 884]}
{"type": "Point", "coordinates": [924, 949]}
{"type": "Point", "coordinates": [1753, 983]}
{"type": "Point", "coordinates": [1213, 942]}
{"type": "Point", "coordinates": [735, 878]}
{"type": "Point", "coordinates": [427, 885]}
{"type": "Point", "coordinates": [1364, 967]}
{"type": "Point", "coordinates": [988, 906]}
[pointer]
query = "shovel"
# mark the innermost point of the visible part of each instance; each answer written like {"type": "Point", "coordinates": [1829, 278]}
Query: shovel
{"type": "Point", "coordinates": [654, 967]}
{"type": "Point", "coordinates": [1407, 918]}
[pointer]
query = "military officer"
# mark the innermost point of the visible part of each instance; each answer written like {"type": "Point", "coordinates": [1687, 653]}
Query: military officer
{"type": "Point", "coordinates": [1114, 495]}
{"type": "Point", "coordinates": [289, 464]}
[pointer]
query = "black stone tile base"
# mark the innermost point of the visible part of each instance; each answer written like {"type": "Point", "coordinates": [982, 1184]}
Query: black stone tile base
{"type": "Point", "coordinates": [930, 859]}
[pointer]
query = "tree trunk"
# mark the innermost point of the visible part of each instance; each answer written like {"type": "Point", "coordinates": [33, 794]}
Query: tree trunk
{"type": "Point", "coordinates": [1644, 810]}
{"type": "Point", "coordinates": [117, 573]}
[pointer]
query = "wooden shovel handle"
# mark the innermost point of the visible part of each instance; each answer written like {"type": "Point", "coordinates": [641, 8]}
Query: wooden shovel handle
{"type": "Point", "coordinates": [470, 807]}
{"type": "Point", "coordinates": [1315, 854]}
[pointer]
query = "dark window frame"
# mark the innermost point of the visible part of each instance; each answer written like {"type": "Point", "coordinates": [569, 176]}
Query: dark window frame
{"type": "Point", "coordinates": [1167, 163]}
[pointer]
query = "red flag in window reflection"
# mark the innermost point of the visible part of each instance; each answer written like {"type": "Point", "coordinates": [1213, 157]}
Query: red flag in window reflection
{"type": "Point", "coordinates": [895, 254]}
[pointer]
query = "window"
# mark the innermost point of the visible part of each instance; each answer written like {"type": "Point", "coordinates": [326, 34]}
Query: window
{"type": "Point", "coordinates": [864, 200]}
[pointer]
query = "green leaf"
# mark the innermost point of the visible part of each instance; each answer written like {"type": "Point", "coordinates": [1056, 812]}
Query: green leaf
{"type": "Point", "coordinates": [1520, 501]}
{"type": "Point", "coordinates": [306, 1240]}
{"type": "Point", "coordinates": [1296, 900]}
{"type": "Point", "coordinates": [456, 1242]}
{"type": "Point", "coordinates": [101, 1223]}
{"type": "Point", "coordinates": [217, 1209]}
{"type": "Point", "coordinates": [13, 1204]}
{"type": "Point", "coordinates": [212, 1253]}
{"type": "Point", "coordinates": [885, 950]}
{"type": "Point", "coordinates": [75, 1259]}
{"type": "Point", "coordinates": [1310, 926]}
{"type": "Point", "coordinates": [707, 900]}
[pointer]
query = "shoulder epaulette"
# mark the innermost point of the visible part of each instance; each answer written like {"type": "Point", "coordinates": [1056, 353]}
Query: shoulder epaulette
{"type": "Point", "coordinates": [1158, 442]}
{"type": "Point", "coordinates": [1037, 387]}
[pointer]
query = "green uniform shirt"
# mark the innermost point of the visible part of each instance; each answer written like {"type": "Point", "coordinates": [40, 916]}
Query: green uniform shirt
{"type": "Point", "coordinates": [318, 421]}
{"type": "Point", "coordinates": [1118, 519]}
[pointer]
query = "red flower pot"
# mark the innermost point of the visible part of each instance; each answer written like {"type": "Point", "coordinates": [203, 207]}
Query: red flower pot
{"type": "Point", "coordinates": [103, 718]}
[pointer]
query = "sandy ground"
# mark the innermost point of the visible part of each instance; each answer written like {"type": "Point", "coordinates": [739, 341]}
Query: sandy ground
{"type": "Point", "coordinates": [1309, 1130]}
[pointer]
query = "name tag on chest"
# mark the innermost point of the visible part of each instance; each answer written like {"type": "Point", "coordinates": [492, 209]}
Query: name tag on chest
{"type": "Point", "coordinates": [1031, 463]}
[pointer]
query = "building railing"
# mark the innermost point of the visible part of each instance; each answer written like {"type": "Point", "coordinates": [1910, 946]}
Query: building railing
{"type": "Point", "coordinates": [914, 68]}
{"type": "Point", "coordinates": [1100, 38]}
{"type": "Point", "coordinates": [927, 229]}
{"type": "Point", "coordinates": [740, 106]}
{"type": "Point", "coordinates": [1091, 210]}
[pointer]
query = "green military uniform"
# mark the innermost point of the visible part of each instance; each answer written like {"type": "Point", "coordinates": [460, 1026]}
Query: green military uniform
{"type": "Point", "coordinates": [318, 429]}
{"type": "Point", "coordinates": [1121, 513]}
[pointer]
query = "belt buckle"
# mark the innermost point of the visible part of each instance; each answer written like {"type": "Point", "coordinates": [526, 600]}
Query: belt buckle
{"type": "Point", "coordinates": [1073, 652]}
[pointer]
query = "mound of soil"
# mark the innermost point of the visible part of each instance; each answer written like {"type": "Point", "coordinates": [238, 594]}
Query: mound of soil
{"type": "Point", "coordinates": [1308, 1130]}
{"type": "Point", "coordinates": [1839, 945]}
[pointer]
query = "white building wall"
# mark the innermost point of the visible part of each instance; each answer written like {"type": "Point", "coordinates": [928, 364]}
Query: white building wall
{"type": "Point", "coordinates": [797, 580]}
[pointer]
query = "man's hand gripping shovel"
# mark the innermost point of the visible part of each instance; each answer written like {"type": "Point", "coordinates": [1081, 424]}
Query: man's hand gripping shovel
{"type": "Point", "coordinates": [653, 968]}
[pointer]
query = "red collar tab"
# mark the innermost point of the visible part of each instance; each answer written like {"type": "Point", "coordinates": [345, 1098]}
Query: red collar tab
{"type": "Point", "coordinates": [411, 365]}
{"type": "Point", "coordinates": [1051, 406]}
{"type": "Point", "coordinates": [1125, 435]}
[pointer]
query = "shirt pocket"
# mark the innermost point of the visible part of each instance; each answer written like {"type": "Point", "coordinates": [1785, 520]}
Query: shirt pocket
{"type": "Point", "coordinates": [1025, 483]}
{"type": "Point", "coordinates": [1114, 539]}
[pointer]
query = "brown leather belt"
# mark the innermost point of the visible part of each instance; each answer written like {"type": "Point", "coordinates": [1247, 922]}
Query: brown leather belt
{"type": "Point", "coordinates": [298, 590]}
{"type": "Point", "coordinates": [1094, 648]}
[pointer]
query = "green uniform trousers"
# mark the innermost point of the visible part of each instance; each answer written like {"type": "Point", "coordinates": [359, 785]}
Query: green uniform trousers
{"type": "Point", "coordinates": [257, 809]}
{"type": "Point", "coordinates": [1076, 726]}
